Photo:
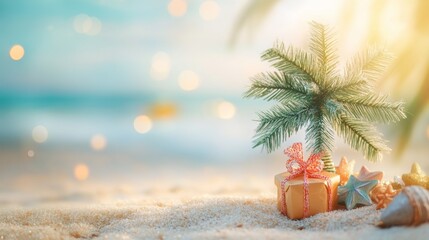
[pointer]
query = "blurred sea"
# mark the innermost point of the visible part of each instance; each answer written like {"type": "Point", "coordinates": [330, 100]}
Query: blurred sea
{"type": "Point", "coordinates": [190, 150]}
{"type": "Point", "coordinates": [193, 132]}
{"type": "Point", "coordinates": [191, 140]}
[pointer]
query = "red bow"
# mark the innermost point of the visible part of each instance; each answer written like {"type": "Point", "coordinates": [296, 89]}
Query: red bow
{"type": "Point", "coordinates": [310, 168]}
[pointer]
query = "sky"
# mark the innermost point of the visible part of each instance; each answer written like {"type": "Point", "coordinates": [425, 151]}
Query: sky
{"type": "Point", "coordinates": [92, 68]}
{"type": "Point", "coordinates": [114, 87]}
{"type": "Point", "coordinates": [114, 54]}
{"type": "Point", "coordinates": [108, 47]}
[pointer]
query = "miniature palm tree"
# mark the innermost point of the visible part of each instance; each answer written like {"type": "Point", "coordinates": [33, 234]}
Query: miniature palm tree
{"type": "Point", "coordinates": [312, 93]}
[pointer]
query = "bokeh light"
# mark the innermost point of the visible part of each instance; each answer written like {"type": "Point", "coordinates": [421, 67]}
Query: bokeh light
{"type": "Point", "coordinates": [225, 110]}
{"type": "Point", "coordinates": [188, 80]}
{"type": "Point", "coordinates": [160, 67]}
{"type": "Point", "coordinates": [142, 124]}
{"type": "Point", "coordinates": [163, 110]}
{"type": "Point", "coordinates": [40, 134]}
{"type": "Point", "coordinates": [209, 10]}
{"type": "Point", "coordinates": [81, 172]}
{"type": "Point", "coordinates": [30, 153]}
{"type": "Point", "coordinates": [85, 24]}
{"type": "Point", "coordinates": [177, 8]}
{"type": "Point", "coordinates": [98, 142]}
{"type": "Point", "coordinates": [16, 52]}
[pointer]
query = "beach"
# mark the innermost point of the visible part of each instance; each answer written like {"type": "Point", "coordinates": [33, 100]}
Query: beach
{"type": "Point", "coordinates": [194, 218]}
{"type": "Point", "coordinates": [217, 202]}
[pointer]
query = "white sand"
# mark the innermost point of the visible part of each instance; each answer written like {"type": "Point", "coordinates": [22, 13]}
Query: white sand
{"type": "Point", "coordinates": [198, 218]}
{"type": "Point", "coordinates": [172, 203]}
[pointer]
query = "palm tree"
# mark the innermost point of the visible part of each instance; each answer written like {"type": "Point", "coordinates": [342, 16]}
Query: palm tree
{"type": "Point", "coordinates": [408, 75]}
{"type": "Point", "coordinates": [312, 93]}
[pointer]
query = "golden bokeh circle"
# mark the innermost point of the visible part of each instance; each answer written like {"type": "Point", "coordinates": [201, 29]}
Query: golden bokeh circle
{"type": "Point", "coordinates": [81, 172]}
{"type": "Point", "coordinates": [16, 52]}
{"type": "Point", "coordinates": [142, 124]}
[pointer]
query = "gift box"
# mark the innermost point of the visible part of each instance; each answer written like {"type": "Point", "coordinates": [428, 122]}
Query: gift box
{"type": "Point", "coordinates": [318, 195]}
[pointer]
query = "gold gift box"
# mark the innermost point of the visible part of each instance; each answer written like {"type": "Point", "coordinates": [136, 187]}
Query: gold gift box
{"type": "Point", "coordinates": [318, 194]}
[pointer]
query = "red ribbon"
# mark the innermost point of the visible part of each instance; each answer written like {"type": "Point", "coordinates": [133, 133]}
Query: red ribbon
{"type": "Point", "coordinates": [309, 169]}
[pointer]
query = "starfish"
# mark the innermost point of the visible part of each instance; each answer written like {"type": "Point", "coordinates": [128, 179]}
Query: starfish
{"type": "Point", "coordinates": [356, 192]}
{"type": "Point", "coordinates": [398, 183]}
{"type": "Point", "coordinates": [383, 194]}
{"type": "Point", "coordinates": [345, 169]}
{"type": "Point", "coordinates": [416, 177]}
{"type": "Point", "coordinates": [366, 175]}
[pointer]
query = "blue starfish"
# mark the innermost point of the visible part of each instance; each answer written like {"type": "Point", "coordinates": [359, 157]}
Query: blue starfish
{"type": "Point", "coordinates": [356, 192]}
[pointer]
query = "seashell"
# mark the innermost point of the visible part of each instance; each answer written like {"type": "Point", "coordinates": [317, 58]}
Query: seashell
{"type": "Point", "coordinates": [383, 194]}
{"type": "Point", "coordinates": [410, 207]}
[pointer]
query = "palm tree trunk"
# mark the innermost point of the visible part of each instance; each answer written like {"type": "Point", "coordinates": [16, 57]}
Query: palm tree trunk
{"type": "Point", "coordinates": [329, 164]}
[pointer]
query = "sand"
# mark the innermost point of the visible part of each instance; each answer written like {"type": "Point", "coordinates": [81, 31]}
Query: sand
{"type": "Point", "coordinates": [176, 202]}
{"type": "Point", "coordinates": [208, 217]}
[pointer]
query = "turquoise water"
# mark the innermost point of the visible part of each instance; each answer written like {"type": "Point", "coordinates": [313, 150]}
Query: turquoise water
{"type": "Point", "coordinates": [194, 134]}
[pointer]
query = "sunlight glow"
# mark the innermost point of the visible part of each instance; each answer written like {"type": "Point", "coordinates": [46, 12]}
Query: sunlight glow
{"type": "Point", "coordinates": [177, 8]}
{"type": "Point", "coordinates": [209, 10]}
{"type": "Point", "coordinates": [16, 52]}
{"type": "Point", "coordinates": [81, 172]}
{"type": "Point", "coordinates": [188, 80]}
{"type": "Point", "coordinates": [160, 67]}
{"type": "Point", "coordinates": [87, 25]}
{"type": "Point", "coordinates": [142, 124]}
{"type": "Point", "coordinates": [30, 153]}
{"type": "Point", "coordinates": [98, 142]}
{"type": "Point", "coordinates": [163, 110]}
{"type": "Point", "coordinates": [40, 134]}
{"type": "Point", "coordinates": [225, 110]}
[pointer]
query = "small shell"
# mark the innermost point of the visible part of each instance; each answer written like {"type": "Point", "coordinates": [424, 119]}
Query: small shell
{"type": "Point", "coordinates": [383, 194]}
{"type": "Point", "coordinates": [410, 207]}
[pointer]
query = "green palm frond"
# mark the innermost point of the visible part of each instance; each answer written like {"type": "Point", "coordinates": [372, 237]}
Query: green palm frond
{"type": "Point", "coordinates": [356, 85]}
{"type": "Point", "coordinates": [279, 86]}
{"type": "Point", "coordinates": [278, 124]}
{"type": "Point", "coordinates": [292, 61]}
{"type": "Point", "coordinates": [319, 135]}
{"type": "Point", "coordinates": [362, 72]}
{"type": "Point", "coordinates": [373, 108]}
{"type": "Point", "coordinates": [369, 65]}
{"type": "Point", "coordinates": [361, 136]}
{"type": "Point", "coordinates": [323, 46]}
